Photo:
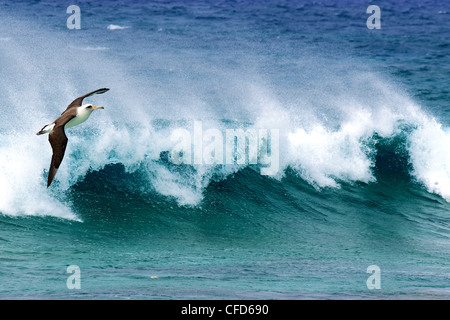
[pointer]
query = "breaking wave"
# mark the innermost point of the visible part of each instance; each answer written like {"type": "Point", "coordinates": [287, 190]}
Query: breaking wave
{"type": "Point", "coordinates": [331, 124]}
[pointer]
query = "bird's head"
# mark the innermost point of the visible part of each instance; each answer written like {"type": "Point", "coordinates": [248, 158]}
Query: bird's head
{"type": "Point", "coordinates": [91, 107]}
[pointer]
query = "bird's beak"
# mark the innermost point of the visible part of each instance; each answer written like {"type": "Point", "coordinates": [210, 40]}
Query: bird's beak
{"type": "Point", "coordinates": [97, 108]}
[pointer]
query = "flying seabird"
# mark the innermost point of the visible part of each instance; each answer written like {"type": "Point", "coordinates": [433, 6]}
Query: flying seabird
{"type": "Point", "coordinates": [73, 116]}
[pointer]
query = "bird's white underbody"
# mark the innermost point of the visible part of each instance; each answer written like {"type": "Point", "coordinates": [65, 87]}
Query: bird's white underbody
{"type": "Point", "coordinates": [83, 113]}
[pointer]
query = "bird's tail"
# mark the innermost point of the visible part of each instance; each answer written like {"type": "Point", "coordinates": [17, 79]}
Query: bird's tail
{"type": "Point", "coordinates": [46, 129]}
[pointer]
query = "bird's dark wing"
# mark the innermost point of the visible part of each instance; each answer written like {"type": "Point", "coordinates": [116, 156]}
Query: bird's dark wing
{"type": "Point", "coordinates": [78, 101]}
{"type": "Point", "coordinates": [58, 141]}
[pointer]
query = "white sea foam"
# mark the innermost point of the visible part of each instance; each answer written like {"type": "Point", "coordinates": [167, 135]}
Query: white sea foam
{"type": "Point", "coordinates": [89, 48]}
{"type": "Point", "coordinates": [22, 191]}
{"type": "Point", "coordinates": [429, 150]}
{"type": "Point", "coordinates": [116, 27]}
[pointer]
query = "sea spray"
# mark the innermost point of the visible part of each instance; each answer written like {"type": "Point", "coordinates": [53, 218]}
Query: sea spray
{"type": "Point", "coordinates": [235, 146]}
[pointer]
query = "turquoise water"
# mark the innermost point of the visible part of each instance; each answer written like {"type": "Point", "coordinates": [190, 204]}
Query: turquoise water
{"type": "Point", "coordinates": [364, 149]}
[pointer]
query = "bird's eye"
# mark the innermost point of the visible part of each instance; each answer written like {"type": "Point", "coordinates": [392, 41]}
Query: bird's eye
{"type": "Point", "coordinates": [89, 107]}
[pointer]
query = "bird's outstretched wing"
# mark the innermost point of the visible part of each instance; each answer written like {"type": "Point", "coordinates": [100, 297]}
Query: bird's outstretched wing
{"type": "Point", "coordinates": [78, 101]}
{"type": "Point", "coordinates": [58, 141]}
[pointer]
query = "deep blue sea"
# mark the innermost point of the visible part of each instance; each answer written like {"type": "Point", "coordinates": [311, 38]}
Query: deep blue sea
{"type": "Point", "coordinates": [358, 131]}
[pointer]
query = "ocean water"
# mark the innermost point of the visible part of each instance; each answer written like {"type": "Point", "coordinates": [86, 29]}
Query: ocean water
{"type": "Point", "coordinates": [363, 157]}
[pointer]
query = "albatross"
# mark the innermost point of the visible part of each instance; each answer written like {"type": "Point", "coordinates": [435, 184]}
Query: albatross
{"type": "Point", "coordinates": [75, 114]}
